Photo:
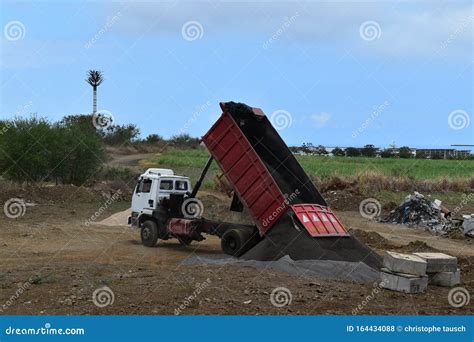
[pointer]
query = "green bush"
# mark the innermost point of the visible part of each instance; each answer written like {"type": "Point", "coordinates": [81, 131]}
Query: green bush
{"type": "Point", "coordinates": [81, 149]}
{"type": "Point", "coordinates": [184, 141]}
{"type": "Point", "coordinates": [34, 149]}
{"type": "Point", "coordinates": [24, 149]}
{"type": "Point", "coordinates": [121, 135]}
{"type": "Point", "coordinates": [114, 173]}
{"type": "Point", "coordinates": [153, 139]}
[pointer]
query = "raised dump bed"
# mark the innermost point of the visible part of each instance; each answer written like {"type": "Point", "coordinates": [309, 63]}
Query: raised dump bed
{"type": "Point", "coordinates": [265, 175]}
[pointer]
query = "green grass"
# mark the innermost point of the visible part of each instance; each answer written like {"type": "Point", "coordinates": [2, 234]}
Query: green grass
{"type": "Point", "coordinates": [415, 168]}
{"type": "Point", "coordinates": [191, 162]}
{"type": "Point", "coordinates": [185, 162]}
{"type": "Point", "coordinates": [184, 158]}
{"type": "Point", "coordinates": [450, 199]}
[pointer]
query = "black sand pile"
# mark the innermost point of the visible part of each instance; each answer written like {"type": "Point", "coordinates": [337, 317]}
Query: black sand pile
{"type": "Point", "coordinates": [357, 272]}
{"type": "Point", "coordinates": [284, 239]}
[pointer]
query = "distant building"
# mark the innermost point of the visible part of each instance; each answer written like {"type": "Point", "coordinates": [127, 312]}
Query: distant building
{"type": "Point", "coordinates": [428, 153]}
{"type": "Point", "coordinates": [442, 153]}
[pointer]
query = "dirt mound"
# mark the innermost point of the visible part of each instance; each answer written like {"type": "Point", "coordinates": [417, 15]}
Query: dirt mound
{"type": "Point", "coordinates": [58, 194]}
{"type": "Point", "coordinates": [335, 183]}
{"type": "Point", "coordinates": [117, 219]}
{"type": "Point", "coordinates": [372, 239]}
{"type": "Point", "coordinates": [417, 246]}
{"type": "Point", "coordinates": [51, 194]}
{"type": "Point", "coordinates": [344, 200]}
{"type": "Point", "coordinates": [284, 239]}
{"type": "Point", "coordinates": [118, 189]}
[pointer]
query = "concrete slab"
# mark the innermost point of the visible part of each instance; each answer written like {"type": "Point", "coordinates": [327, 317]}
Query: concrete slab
{"type": "Point", "coordinates": [400, 282]}
{"type": "Point", "coordinates": [447, 279]}
{"type": "Point", "coordinates": [439, 262]}
{"type": "Point", "coordinates": [404, 263]}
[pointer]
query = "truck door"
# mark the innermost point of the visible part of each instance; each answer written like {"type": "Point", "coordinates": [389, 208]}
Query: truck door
{"type": "Point", "coordinates": [141, 196]}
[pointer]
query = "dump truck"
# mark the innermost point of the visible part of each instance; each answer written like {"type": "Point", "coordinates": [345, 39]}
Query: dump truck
{"type": "Point", "coordinates": [266, 180]}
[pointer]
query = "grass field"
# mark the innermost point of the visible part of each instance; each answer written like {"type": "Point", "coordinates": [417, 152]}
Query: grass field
{"type": "Point", "coordinates": [184, 162]}
{"type": "Point", "coordinates": [414, 168]}
{"type": "Point", "coordinates": [325, 167]}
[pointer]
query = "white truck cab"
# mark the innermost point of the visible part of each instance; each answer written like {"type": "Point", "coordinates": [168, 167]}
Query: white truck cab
{"type": "Point", "coordinates": [154, 186]}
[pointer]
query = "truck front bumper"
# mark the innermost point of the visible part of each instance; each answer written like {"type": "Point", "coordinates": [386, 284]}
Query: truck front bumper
{"type": "Point", "coordinates": [133, 220]}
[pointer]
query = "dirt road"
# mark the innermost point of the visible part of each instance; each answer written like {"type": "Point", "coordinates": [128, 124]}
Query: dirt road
{"type": "Point", "coordinates": [57, 260]}
{"type": "Point", "coordinates": [130, 160]}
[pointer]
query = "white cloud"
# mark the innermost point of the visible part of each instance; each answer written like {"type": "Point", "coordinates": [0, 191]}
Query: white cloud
{"type": "Point", "coordinates": [408, 29]}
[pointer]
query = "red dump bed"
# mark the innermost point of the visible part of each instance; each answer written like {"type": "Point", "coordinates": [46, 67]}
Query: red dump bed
{"type": "Point", "coordinates": [264, 173]}
{"type": "Point", "coordinates": [243, 168]}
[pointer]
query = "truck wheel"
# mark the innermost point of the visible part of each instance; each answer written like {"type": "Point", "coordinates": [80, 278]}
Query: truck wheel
{"type": "Point", "coordinates": [236, 242]}
{"type": "Point", "coordinates": [149, 233]}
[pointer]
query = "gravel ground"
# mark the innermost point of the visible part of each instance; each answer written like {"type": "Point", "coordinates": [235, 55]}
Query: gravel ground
{"type": "Point", "coordinates": [52, 262]}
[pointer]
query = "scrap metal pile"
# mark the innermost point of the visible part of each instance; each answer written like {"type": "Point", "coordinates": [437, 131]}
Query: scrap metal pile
{"type": "Point", "coordinates": [418, 211]}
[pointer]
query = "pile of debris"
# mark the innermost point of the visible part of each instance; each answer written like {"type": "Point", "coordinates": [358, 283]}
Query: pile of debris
{"type": "Point", "coordinates": [417, 211]}
{"type": "Point", "coordinates": [411, 273]}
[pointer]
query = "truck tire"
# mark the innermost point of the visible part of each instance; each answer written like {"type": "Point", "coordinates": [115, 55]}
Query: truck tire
{"type": "Point", "coordinates": [236, 241]}
{"type": "Point", "coordinates": [149, 233]}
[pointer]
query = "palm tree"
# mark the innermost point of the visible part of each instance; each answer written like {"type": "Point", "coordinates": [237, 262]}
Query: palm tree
{"type": "Point", "coordinates": [95, 79]}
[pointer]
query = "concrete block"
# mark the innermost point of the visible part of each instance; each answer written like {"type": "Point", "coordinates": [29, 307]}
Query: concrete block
{"type": "Point", "coordinates": [447, 279]}
{"type": "Point", "coordinates": [439, 262]}
{"type": "Point", "coordinates": [400, 282]}
{"type": "Point", "coordinates": [468, 224]}
{"type": "Point", "coordinates": [404, 263]}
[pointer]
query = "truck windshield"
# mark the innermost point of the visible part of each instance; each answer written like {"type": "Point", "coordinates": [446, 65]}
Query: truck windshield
{"type": "Point", "coordinates": [145, 185]}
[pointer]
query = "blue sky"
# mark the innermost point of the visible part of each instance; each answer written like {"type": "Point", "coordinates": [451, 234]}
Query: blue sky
{"type": "Point", "coordinates": [340, 73]}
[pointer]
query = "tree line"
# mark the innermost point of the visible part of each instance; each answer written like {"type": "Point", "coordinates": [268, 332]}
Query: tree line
{"type": "Point", "coordinates": [69, 151]}
{"type": "Point", "coordinates": [369, 151]}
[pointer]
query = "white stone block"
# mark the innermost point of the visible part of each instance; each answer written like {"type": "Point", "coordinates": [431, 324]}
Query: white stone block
{"type": "Point", "coordinates": [404, 263]}
{"type": "Point", "coordinates": [400, 282]}
{"type": "Point", "coordinates": [447, 279]}
{"type": "Point", "coordinates": [439, 262]}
